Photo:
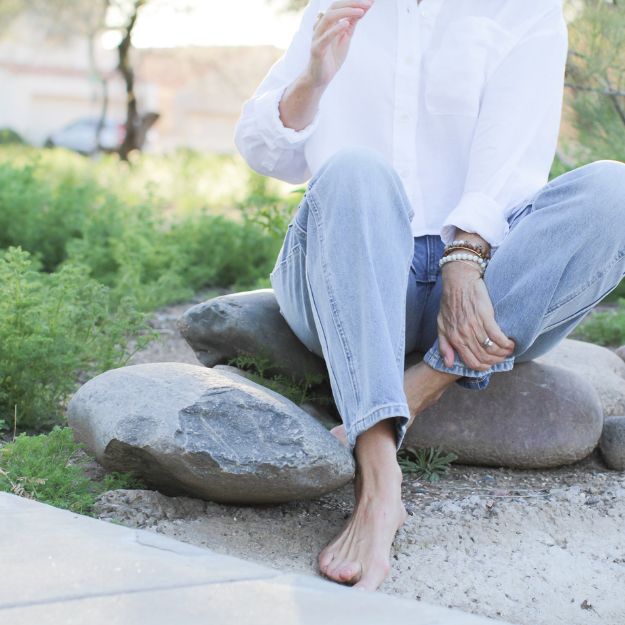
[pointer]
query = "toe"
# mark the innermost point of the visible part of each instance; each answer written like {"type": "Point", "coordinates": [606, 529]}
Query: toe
{"type": "Point", "coordinates": [339, 432]}
{"type": "Point", "coordinates": [349, 572]}
{"type": "Point", "coordinates": [325, 559]}
{"type": "Point", "coordinates": [374, 576]}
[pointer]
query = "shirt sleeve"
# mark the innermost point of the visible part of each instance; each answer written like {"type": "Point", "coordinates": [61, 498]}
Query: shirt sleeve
{"type": "Point", "coordinates": [516, 133]}
{"type": "Point", "coordinates": [269, 147]}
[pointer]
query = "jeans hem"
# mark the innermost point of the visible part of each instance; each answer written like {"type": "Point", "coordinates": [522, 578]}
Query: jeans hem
{"type": "Point", "coordinates": [375, 416]}
{"type": "Point", "coordinates": [471, 378]}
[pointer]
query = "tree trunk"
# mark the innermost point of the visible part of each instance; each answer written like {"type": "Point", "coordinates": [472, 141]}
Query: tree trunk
{"type": "Point", "coordinates": [125, 67]}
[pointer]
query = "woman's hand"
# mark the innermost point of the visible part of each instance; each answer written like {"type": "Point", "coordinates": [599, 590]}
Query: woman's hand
{"type": "Point", "coordinates": [332, 35]}
{"type": "Point", "coordinates": [466, 317]}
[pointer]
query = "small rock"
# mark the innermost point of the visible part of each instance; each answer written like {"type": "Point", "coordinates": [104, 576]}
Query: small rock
{"type": "Point", "coordinates": [141, 508]}
{"type": "Point", "coordinates": [612, 443]}
{"type": "Point", "coordinates": [188, 429]}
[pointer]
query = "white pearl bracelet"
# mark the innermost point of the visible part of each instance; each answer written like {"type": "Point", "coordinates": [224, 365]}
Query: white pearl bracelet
{"type": "Point", "coordinates": [464, 256]}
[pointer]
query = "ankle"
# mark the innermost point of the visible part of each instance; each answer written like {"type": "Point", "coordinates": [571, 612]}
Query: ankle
{"type": "Point", "coordinates": [379, 480]}
{"type": "Point", "coordinates": [439, 379]}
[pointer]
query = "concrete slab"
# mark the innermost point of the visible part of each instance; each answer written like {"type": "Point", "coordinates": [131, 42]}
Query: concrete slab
{"type": "Point", "coordinates": [61, 568]}
{"type": "Point", "coordinates": [58, 555]}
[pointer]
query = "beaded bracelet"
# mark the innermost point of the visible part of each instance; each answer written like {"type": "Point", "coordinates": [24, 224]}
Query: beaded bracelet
{"type": "Point", "coordinates": [466, 245]}
{"type": "Point", "coordinates": [482, 263]}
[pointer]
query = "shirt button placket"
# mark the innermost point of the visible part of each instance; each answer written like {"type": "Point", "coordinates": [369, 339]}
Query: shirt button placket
{"type": "Point", "coordinates": [406, 98]}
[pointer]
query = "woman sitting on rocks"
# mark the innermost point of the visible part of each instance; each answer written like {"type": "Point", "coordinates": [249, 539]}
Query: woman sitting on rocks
{"type": "Point", "coordinates": [426, 129]}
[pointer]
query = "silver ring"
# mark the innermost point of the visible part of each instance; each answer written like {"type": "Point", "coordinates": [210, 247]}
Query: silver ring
{"type": "Point", "coordinates": [487, 343]}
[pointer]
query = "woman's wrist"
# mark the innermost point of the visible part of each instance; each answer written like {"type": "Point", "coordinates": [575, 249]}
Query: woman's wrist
{"type": "Point", "coordinates": [473, 237]}
{"type": "Point", "coordinates": [300, 102]}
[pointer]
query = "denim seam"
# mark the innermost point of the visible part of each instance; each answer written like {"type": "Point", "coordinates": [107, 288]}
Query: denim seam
{"type": "Point", "coordinates": [578, 312]}
{"type": "Point", "coordinates": [296, 225]}
{"type": "Point", "coordinates": [400, 354]}
{"type": "Point", "coordinates": [296, 248]}
{"type": "Point", "coordinates": [322, 338]}
{"type": "Point", "coordinates": [335, 316]}
{"type": "Point", "coordinates": [588, 284]}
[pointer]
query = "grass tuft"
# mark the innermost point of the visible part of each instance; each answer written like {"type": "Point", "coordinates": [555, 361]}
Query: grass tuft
{"type": "Point", "coordinates": [50, 468]}
{"type": "Point", "coordinates": [429, 463]}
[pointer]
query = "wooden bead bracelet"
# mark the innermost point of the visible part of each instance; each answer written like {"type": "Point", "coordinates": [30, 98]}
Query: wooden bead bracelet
{"type": "Point", "coordinates": [463, 244]}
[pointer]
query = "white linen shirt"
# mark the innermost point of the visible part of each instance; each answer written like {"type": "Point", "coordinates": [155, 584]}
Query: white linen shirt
{"type": "Point", "coordinates": [464, 100]}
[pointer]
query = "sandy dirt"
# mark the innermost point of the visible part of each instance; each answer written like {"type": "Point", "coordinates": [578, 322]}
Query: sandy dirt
{"type": "Point", "coordinates": [529, 547]}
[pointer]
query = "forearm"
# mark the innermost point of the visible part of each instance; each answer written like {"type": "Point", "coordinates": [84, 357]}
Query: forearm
{"type": "Point", "coordinates": [300, 103]}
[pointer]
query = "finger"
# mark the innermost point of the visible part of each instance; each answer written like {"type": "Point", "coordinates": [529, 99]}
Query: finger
{"type": "Point", "coordinates": [483, 354]}
{"type": "Point", "coordinates": [447, 351]}
{"type": "Point", "coordinates": [488, 356]}
{"type": "Point", "coordinates": [328, 35]}
{"type": "Point", "coordinates": [491, 354]}
{"type": "Point", "coordinates": [364, 4]}
{"type": "Point", "coordinates": [495, 334]}
{"type": "Point", "coordinates": [330, 18]}
{"type": "Point", "coordinates": [468, 350]}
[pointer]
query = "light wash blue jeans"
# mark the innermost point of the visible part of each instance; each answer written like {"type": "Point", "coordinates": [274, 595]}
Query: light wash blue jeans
{"type": "Point", "coordinates": [360, 291]}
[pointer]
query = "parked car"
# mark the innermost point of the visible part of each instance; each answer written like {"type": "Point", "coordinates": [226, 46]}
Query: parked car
{"type": "Point", "coordinates": [80, 136]}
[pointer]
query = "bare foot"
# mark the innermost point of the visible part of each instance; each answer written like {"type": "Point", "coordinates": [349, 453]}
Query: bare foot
{"type": "Point", "coordinates": [423, 387]}
{"type": "Point", "coordinates": [339, 432]}
{"type": "Point", "coordinates": [359, 555]}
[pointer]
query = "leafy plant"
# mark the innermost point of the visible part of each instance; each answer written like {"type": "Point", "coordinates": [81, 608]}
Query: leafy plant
{"type": "Point", "coordinates": [604, 328]}
{"type": "Point", "coordinates": [429, 463]}
{"type": "Point", "coordinates": [271, 211]}
{"type": "Point", "coordinates": [298, 392]}
{"type": "Point", "coordinates": [8, 135]}
{"type": "Point", "coordinates": [48, 468]}
{"type": "Point", "coordinates": [54, 330]}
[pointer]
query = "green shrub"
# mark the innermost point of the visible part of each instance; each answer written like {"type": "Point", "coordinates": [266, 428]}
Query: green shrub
{"type": "Point", "coordinates": [137, 246]}
{"type": "Point", "coordinates": [48, 468]}
{"type": "Point", "coordinates": [54, 330]}
{"type": "Point", "coordinates": [9, 136]}
{"type": "Point", "coordinates": [604, 328]}
{"type": "Point", "coordinates": [40, 216]}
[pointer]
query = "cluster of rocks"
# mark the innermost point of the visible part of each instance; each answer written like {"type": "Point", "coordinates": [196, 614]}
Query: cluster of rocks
{"type": "Point", "coordinates": [211, 432]}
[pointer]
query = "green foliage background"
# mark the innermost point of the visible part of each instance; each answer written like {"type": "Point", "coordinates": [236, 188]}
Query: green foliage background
{"type": "Point", "coordinates": [88, 248]}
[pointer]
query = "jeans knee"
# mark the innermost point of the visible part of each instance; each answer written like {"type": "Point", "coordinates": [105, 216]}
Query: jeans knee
{"type": "Point", "coordinates": [357, 159]}
{"type": "Point", "coordinates": [606, 179]}
{"type": "Point", "coordinates": [365, 178]}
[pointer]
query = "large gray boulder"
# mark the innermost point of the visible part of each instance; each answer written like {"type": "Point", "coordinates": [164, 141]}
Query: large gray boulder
{"type": "Point", "coordinates": [601, 367]}
{"type": "Point", "coordinates": [248, 322]}
{"type": "Point", "coordinates": [535, 416]}
{"type": "Point", "coordinates": [188, 429]}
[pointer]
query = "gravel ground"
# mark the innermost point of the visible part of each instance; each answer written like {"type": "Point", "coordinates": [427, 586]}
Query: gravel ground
{"type": "Point", "coordinates": [530, 547]}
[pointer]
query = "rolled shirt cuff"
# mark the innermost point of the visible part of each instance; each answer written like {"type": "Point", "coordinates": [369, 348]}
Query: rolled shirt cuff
{"type": "Point", "coordinates": [479, 213]}
{"type": "Point", "coordinates": [273, 131]}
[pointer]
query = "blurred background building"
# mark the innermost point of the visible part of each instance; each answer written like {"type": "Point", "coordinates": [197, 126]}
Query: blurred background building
{"type": "Point", "coordinates": [47, 81]}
